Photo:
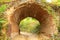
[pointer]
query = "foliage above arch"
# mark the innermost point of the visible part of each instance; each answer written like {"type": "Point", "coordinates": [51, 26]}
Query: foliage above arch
{"type": "Point", "coordinates": [5, 0]}
{"type": "Point", "coordinates": [55, 2]}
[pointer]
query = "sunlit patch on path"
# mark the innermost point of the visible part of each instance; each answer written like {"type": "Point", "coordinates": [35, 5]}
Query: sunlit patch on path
{"type": "Point", "coordinates": [30, 36]}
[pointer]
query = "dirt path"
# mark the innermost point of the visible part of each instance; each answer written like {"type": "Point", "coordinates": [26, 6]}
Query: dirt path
{"type": "Point", "coordinates": [29, 36]}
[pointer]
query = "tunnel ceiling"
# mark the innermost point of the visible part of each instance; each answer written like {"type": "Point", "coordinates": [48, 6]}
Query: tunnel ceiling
{"type": "Point", "coordinates": [31, 10]}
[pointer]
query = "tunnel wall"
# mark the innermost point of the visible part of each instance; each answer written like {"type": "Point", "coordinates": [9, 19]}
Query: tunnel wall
{"type": "Point", "coordinates": [35, 10]}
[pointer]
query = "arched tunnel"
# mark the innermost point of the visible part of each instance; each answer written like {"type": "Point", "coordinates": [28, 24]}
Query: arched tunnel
{"type": "Point", "coordinates": [34, 10]}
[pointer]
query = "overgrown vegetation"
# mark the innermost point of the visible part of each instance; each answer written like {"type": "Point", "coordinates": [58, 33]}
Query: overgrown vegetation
{"type": "Point", "coordinates": [30, 24]}
{"type": "Point", "coordinates": [3, 22]}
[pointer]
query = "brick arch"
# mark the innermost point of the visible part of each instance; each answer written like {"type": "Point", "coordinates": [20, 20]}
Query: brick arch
{"type": "Point", "coordinates": [32, 10]}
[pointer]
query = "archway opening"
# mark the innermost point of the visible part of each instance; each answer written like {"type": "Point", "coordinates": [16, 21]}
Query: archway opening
{"type": "Point", "coordinates": [29, 25]}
